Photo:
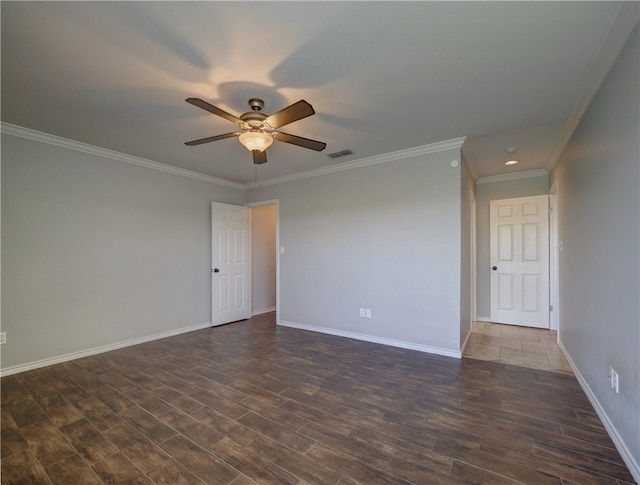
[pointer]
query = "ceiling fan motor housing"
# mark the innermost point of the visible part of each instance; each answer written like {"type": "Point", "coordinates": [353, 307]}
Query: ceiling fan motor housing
{"type": "Point", "coordinates": [254, 119]}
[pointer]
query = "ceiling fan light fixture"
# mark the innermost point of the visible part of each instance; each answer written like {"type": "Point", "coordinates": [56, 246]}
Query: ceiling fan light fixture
{"type": "Point", "coordinates": [256, 128]}
{"type": "Point", "coordinates": [255, 140]}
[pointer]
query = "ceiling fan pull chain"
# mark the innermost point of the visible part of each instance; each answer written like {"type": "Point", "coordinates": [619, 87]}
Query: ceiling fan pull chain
{"type": "Point", "coordinates": [255, 187]}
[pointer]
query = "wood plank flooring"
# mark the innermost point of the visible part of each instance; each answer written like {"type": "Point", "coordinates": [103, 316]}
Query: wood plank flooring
{"type": "Point", "coordinates": [251, 403]}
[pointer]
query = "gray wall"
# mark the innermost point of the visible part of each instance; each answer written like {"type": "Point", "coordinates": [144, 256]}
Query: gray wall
{"type": "Point", "coordinates": [485, 193]}
{"type": "Point", "coordinates": [96, 252]}
{"type": "Point", "coordinates": [263, 258]}
{"type": "Point", "coordinates": [598, 182]}
{"type": "Point", "coordinates": [385, 237]}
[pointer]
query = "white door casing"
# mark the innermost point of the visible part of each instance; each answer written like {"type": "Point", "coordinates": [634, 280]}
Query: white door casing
{"type": "Point", "coordinates": [519, 235]}
{"type": "Point", "coordinates": [554, 257]}
{"type": "Point", "coordinates": [474, 258]}
{"type": "Point", "coordinates": [230, 264]}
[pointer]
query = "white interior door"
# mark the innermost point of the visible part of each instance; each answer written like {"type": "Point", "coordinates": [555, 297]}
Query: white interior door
{"type": "Point", "coordinates": [230, 263]}
{"type": "Point", "coordinates": [520, 261]}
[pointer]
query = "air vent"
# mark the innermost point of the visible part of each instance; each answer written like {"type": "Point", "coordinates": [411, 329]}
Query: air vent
{"type": "Point", "coordinates": [340, 154]}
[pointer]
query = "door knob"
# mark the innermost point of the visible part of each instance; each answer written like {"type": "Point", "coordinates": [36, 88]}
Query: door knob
{"type": "Point", "coordinates": [494, 268]}
{"type": "Point", "coordinates": [216, 270]}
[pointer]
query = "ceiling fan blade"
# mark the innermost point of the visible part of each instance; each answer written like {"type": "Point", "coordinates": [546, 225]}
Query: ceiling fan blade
{"type": "Point", "coordinates": [259, 157]}
{"type": "Point", "coordinates": [300, 141]}
{"type": "Point", "coordinates": [213, 109]}
{"type": "Point", "coordinates": [291, 113]}
{"type": "Point", "coordinates": [211, 138]}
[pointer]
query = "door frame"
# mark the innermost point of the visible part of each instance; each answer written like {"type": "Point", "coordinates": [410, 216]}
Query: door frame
{"type": "Point", "coordinates": [474, 260]}
{"type": "Point", "coordinates": [554, 261]}
{"type": "Point", "coordinates": [279, 249]}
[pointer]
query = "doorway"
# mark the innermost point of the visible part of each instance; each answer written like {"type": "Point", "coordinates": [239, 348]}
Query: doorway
{"type": "Point", "coordinates": [264, 257]}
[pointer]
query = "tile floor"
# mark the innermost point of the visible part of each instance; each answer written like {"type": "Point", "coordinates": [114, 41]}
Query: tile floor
{"type": "Point", "coordinates": [252, 403]}
{"type": "Point", "coordinates": [522, 346]}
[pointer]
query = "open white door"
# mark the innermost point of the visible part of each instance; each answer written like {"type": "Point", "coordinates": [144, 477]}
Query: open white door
{"type": "Point", "coordinates": [520, 261]}
{"type": "Point", "coordinates": [230, 263]}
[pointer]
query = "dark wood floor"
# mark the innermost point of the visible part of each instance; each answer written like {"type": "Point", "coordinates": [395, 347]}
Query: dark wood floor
{"type": "Point", "coordinates": [251, 403]}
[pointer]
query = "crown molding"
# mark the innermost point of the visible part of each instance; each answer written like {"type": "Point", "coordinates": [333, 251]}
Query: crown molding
{"type": "Point", "coordinates": [441, 146]}
{"type": "Point", "coordinates": [621, 29]}
{"type": "Point", "coordinates": [58, 141]}
{"type": "Point", "coordinates": [29, 134]}
{"type": "Point", "coordinates": [511, 176]}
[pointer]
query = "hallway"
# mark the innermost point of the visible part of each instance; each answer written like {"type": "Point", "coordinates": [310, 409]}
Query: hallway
{"type": "Point", "coordinates": [534, 348]}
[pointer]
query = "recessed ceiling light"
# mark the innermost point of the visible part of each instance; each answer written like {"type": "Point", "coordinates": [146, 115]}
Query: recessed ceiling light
{"type": "Point", "coordinates": [512, 162]}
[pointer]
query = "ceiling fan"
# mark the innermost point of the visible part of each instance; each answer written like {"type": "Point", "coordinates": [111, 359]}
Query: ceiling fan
{"type": "Point", "coordinates": [258, 130]}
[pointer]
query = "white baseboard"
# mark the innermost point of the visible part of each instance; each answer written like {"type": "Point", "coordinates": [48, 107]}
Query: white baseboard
{"type": "Point", "coordinates": [376, 340]}
{"type": "Point", "coordinates": [483, 319]}
{"type": "Point", "coordinates": [99, 350]}
{"type": "Point", "coordinates": [264, 310]}
{"type": "Point", "coordinates": [625, 453]}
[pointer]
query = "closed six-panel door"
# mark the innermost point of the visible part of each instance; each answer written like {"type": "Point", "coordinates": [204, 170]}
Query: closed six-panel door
{"type": "Point", "coordinates": [519, 231]}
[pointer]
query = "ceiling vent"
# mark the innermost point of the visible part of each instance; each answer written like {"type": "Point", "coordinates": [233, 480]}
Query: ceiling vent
{"type": "Point", "coordinates": [340, 154]}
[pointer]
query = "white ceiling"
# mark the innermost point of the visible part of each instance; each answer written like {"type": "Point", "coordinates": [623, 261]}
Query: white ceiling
{"type": "Point", "coordinates": [382, 76]}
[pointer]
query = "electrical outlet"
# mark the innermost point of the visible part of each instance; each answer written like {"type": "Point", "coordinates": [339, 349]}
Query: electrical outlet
{"type": "Point", "coordinates": [3, 337]}
{"type": "Point", "coordinates": [368, 312]}
{"type": "Point", "coordinates": [362, 312]}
